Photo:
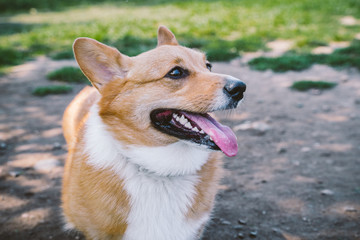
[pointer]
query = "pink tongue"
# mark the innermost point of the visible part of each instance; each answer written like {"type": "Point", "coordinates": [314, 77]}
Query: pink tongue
{"type": "Point", "coordinates": [222, 135]}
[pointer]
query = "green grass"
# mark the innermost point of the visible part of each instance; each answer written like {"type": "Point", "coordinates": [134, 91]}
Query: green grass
{"type": "Point", "coordinates": [10, 56]}
{"type": "Point", "coordinates": [4, 70]}
{"type": "Point", "coordinates": [222, 28]}
{"type": "Point", "coordinates": [345, 57]}
{"type": "Point", "coordinates": [307, 85]}
{"type": "Point", "coordinates": [47, 90]}
{"type": "Point", "coordinates": [65, 54]}
{"type": "Point", "coordinates": [68, 74]}
{"type": "Point", "coordinates": [282, 64]}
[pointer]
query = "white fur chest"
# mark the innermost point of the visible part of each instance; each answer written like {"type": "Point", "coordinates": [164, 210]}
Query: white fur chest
{"type": "Point", "coordinates": [160, 181]}
{"type": "Point", "coordinates": [159, 208]}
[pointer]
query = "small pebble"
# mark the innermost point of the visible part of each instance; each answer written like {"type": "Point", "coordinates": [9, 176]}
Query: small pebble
{"type": "Point", "coordinates": [56, 146]}
{"type": "Point", "coordinates": [225, 222]}
{"type": "Point", "coordinates": [350, 209]}
{"type": "Point", "coordinates": [259, 128]}
{"type": "Point", "coordinates": [327, 192]}
{"type": "Point", "coordinates": [281, 150]}
{"type": "Point", "coordinates": [28, 194]}
{"type": "Point", "coordinates": [299, 105]}
{"type": "Point", "coordinates": [353, 116]}
{"type": "Point", "coordinates": [326, 108]}
{"type": "Point", "coordinates": [14, 173]}
{"type": "Point", "coordinates": [315, 92]}
{"type": "Point", "coordinates": [268, 119]}
{"type": "Point", "coordinates": [238, 227]}
{"type": "Point", "coordinates": [46, 165]}
{"type": "Point", "coordinates": [253, 234]}
{"type": "Point", "coordinates": [241, 236]}
{"type": "Point", "coordinates": [3, 146]}
{"type": "Point", "coordinates": [242, 221]}
{"type": "Point", "coordinates": [325, 154]}
{"type": "Point", "coordinates": [296, 163]}
{"type": "Point", "coordinates": [275, 230]}
{"type": "Point", "coordinates": [344, 79]}
{"type": "Point", "coordinates": [305, 149]}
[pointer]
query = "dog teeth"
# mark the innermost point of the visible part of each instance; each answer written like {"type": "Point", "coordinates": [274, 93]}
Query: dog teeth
{"type": "Point", "coordinates": [185, 122]}
{"type": "Point", "coordinates": [176, 117]}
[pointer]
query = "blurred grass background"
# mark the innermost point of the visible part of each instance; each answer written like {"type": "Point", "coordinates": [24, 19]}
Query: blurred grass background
{"type": "Point", "coordinates": [224, 29]}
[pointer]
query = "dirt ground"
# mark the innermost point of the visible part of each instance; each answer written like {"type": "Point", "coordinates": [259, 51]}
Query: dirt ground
{"type": "Point", "coordinates": [296, 176]}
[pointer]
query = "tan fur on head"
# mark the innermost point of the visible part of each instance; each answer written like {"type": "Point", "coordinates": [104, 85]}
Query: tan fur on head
{"type": "Point", "coordinates": [166, 37]}
{"type": "Point", "coordinates": [125, 84]}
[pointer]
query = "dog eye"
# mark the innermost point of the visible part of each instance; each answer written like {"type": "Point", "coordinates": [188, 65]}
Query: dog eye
{"type": "Point", "coordinates": [177, 73]}
{"type": "Point", "coordinates": [209, 66]}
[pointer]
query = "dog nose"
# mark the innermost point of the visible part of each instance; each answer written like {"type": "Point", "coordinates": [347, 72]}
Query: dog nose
{"type": "Point", "coordinates": [234, 88]}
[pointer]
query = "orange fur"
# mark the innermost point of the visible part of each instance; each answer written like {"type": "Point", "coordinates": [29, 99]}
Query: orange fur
{"type": "Point", "coordinates": [94, 200]}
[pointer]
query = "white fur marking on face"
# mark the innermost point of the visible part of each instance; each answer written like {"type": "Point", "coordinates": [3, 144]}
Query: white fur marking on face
{"type": "Point", "coordinates": [160, 182]}
{"type": "Point", "coordinates": [222, 100]}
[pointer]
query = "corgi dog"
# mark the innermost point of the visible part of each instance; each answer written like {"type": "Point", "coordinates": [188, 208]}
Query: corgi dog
{"type": "Point", "coordinates": [143, 151]}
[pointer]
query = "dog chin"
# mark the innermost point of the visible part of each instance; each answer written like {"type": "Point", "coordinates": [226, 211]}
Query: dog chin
{"type": "Point", "coordinates": [199, 146]}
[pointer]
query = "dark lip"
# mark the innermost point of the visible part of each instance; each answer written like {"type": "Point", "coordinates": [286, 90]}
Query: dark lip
{"type": "Point", "coordinates": [164, 122]}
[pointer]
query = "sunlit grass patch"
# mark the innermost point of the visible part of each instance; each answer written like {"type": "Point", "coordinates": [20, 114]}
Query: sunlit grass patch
{"type": "Point", "coordinates": [282, 64]}
{"type": "Point", "coordinates": [60, 55]}
{"type": "Point", "coordinates": [352, 50]}
{"type": "Point", "coordinates": [307, 85]}
{"type": "Point", "coordinates": [222, 50]}
{"type": "Point", "coordinates": [132, 45]}
{"type": "Point", "coordinates": [68, 74]}
{"type": "Point", "coordinates": [47, 90]}
{"type": "Point", "coordinates": [344, 57]}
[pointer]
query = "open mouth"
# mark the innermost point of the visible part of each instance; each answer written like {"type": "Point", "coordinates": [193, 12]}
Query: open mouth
{"type": "Point", "coordinates": [199, 128]}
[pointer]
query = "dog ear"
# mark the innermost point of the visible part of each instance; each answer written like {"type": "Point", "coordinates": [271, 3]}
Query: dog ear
{"type": "Point", "coordinates": [166, 37]}
{"type": "Point", "coordinates": [100, 63]}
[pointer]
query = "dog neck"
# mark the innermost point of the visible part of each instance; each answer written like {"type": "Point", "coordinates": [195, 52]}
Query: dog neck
{"type": "Point", "coordinates": [105, 152]}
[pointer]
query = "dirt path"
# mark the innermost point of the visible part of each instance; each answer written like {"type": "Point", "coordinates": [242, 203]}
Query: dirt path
{"type": "Point", "coordinates": [296, 175]}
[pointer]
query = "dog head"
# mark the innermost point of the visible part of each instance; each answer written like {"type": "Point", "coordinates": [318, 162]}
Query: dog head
{"type": "Point", "coordinates": [160, 96]}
